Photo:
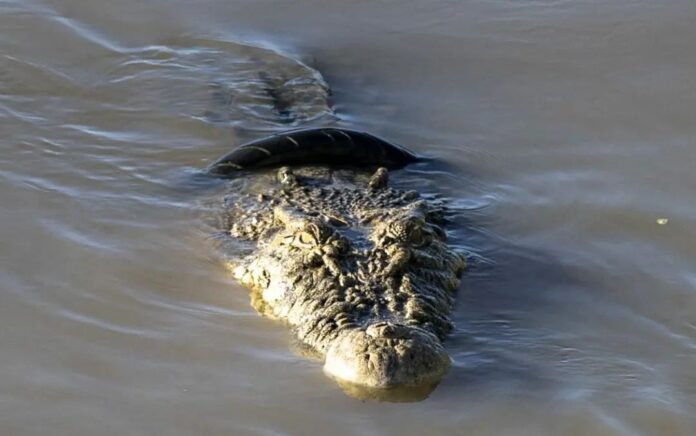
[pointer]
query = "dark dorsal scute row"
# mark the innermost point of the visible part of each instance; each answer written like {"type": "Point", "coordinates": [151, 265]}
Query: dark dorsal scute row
{"type": "Point", "coordinates": [323, 146]}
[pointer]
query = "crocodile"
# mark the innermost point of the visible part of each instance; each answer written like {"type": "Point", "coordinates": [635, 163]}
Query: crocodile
{"type": "Point", "coordinates": [362, 272]}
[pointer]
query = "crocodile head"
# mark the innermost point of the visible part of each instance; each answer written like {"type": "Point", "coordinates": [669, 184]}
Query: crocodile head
{"type": "Point", "coordinates": [361, 272]}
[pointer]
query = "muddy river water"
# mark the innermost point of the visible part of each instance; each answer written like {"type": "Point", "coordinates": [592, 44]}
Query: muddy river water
{"type": "Point", "coordinates": [566, 139]}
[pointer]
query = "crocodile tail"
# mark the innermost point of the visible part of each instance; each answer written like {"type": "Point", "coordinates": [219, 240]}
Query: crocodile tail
{"type": "Point", "coordinates": [322, 146]}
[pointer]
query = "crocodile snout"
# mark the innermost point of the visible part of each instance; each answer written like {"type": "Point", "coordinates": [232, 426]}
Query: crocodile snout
{"type": "Point", "coordinates": [387, 355]}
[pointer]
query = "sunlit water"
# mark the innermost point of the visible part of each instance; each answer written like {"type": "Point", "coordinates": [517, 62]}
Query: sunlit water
{"type": "Point", "coordinates": [564, 132]}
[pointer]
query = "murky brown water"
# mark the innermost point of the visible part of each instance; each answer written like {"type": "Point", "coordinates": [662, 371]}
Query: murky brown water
{"type": "Point", "coordinates": [569, 131]}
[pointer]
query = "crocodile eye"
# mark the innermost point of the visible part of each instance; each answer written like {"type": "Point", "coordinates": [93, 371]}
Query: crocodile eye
{"type": "Point", "coordinates": [417, 238]}
{"type": "Point", "coordinates": [306, 239]}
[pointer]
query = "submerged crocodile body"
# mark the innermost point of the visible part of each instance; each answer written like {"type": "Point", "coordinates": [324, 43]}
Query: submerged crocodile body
{"type": "Point", "coordinates": [361, 271]}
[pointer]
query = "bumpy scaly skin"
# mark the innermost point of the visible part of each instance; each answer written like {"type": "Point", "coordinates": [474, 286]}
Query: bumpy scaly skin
{"type": "Point", "coordinates": [362, 273]}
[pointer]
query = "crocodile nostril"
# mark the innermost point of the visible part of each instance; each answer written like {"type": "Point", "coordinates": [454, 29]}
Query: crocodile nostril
{"type": "Point", "coordinates": [388, 330]}
{"type": "Point", "coordinates": [374, 358]}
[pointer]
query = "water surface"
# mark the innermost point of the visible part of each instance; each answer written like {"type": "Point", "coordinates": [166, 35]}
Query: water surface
{"type": "Point", "coordinates": [568, 132]}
